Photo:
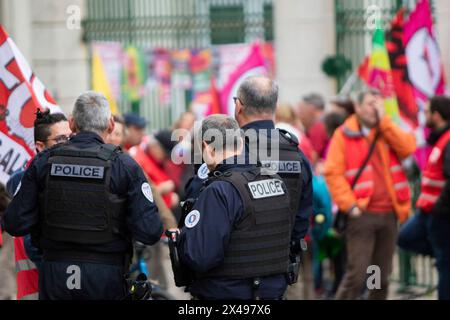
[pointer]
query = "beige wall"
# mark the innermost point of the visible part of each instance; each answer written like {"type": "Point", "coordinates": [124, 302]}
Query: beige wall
{"type": "Point", "coordinates": [443, 31]}
{"type": "Point", "coordinates": [55, 52]}
{"type": "Point", "coordinates": [304, 36]}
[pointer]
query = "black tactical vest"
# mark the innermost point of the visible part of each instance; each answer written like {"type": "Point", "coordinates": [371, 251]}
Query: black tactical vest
{"type": "Point", "coordinates": [77, 205]}
{"type": "Point", "coordinates": [288, 166]}
{"type": "Point", "coordinates": [259, 242]}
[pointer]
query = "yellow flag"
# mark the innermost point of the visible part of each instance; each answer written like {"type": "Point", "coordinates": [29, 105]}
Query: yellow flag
{"type": "Point", "coordinates": [100, 81]}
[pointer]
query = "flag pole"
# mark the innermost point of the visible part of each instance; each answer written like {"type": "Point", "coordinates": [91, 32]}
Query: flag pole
{"type": "Point", "coordinates": [351, 80]}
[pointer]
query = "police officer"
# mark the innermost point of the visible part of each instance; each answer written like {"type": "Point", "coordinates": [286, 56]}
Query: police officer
{"type": "Point", "coordinates": [236, 237]}
{"type": "Point", "coordinates": [83, 201]}
{"type": "Point", "coordinates": [275, 149]}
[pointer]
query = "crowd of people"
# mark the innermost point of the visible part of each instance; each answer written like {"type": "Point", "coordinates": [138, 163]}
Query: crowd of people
{"type": "Point", "coordinates": [354, 151]}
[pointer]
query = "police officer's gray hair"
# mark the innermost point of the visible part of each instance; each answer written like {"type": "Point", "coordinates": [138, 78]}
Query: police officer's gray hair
{"type": "Point", "coordinates": [222, 131]}
{"type": "Point", "coordinates": [91, 112]}
{"type": "Point", "coordinates": [258, 94]}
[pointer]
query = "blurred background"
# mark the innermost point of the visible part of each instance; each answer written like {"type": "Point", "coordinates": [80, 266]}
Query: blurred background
{"type": "Point", "coordinates": [57, 38]}
{"type": "Point", "coordinates": [175, 61]}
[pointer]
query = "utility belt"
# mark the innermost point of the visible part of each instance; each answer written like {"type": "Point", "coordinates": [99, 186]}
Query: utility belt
{"type": "Point", "coordinates": [113, 258]}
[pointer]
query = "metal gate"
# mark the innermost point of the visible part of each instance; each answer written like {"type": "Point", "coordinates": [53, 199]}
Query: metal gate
{"type": "Point", "coordinates": [353, 29]}
{"type": "Point", "coordinates": [175, 24]}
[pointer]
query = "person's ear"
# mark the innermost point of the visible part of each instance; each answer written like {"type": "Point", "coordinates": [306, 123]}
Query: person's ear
{"type": "Point", "coordinates": [72, 125]}
{"type": "Point", "coordinates": [240, 145]}
{"type": "Point", "coordinates": [111, 125]}
{"type": "Point", "coordinates": [238, 109]}
{"type": "Point", "coordinates": [40, 146]}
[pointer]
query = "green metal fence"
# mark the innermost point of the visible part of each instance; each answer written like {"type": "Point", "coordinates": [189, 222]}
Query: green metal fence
{"type": "Point", "coordinates": [175, 24]}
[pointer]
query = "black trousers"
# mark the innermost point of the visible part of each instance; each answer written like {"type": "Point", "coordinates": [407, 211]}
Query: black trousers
{"type": "Point", "coordinates": [81, 281]}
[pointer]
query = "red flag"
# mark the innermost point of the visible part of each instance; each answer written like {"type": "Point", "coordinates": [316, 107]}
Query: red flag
{"type": "Point", "coordinates": [215, 98]}
{"type": "Point", "coordinates": [363, 69]}
{"type": "Point", "coordinates": [399, 65]}
{"type": "Point", "coordinates": [424, 59]}
{"type": "Point", "coordinates": [21, 93]}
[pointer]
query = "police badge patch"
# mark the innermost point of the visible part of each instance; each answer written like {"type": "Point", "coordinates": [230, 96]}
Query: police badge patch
{"type": "Point", "coordinates": [192, 219]}
{"type": "Point", "coordinates": [147, 191]}
{"type": "Point", "coordinates": [203, 171]}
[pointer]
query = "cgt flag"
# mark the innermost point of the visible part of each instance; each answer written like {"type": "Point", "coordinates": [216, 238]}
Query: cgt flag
{"type": "Point", "coordinates": [21, 93]}
{"type": "Point", "coordinates": [422, 50]}
{"type": "Point", "coordinates": [399, 64]}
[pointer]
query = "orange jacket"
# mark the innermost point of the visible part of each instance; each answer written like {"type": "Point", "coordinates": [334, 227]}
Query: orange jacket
{"type": "Point", "coordinates": [392, 138]}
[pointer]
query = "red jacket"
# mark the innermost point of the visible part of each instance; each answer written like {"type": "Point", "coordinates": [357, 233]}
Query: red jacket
{"type": "Point", "coordinates": [433, 180]}
{"type": "Point", "coordinates": [27, 273]}
{"type": "Point", "coordinates": [152, 170]}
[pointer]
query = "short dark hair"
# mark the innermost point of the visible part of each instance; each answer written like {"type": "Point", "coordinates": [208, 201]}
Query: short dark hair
{"type": "Point", "coordinates": [316, 100]}
{"type": "Point", "coordinates": [441, 105]}
{"type": "Point", "coordinates": [332, 121]}
{"type": "Point", "coordinates": [345, 103]}
{"type": "Point", "coordinates": [258, 94]}
{"type": "Point", "coordinates": [44, 120]}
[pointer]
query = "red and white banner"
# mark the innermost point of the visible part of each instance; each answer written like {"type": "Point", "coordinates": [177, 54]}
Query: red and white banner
{"type": "Point", "coordinates": [425, 67]}
{"type": "Point", "coordinates": [21, 94]}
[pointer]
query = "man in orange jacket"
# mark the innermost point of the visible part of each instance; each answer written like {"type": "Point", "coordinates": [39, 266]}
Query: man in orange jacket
{"type": "Point", "coordinates": [380, 196]}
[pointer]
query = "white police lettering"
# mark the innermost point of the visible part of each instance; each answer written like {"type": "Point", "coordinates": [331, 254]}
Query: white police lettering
{"type": "Point", "coordinates": [266, 188]}
{"type": "Point", "coordinates": [147, 191]}
{"type": "Point", "coordinates": [192, 219]}
{"type": "Point", "coordinates": [203, 171]}
{"type": "Point", "coordinates": [77, 171]}
{"type": "Point", "coordinates": [282, 166]}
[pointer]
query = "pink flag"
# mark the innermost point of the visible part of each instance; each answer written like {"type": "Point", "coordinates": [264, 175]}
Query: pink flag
{"type": "Point", "coordinates": [425, 69]}
{"type": "Point", "coordinates": [254, 64]}
{"type": "Point", "coordinates": [424, 60]}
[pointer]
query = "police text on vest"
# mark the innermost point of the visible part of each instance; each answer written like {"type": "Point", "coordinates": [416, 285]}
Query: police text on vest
{"type": "Point", "coordinates": [266, 188]}
{"type": "Point", "coordinates": [77, 171]}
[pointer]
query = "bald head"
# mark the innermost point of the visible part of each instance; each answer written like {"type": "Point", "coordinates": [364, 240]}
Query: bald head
{"type": "Point", "coordinates": [258, 95]}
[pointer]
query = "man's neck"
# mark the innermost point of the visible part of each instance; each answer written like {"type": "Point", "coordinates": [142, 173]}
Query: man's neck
{"type": "Point", "coordinates": [221, 158]}
{"type": "Point", "coordinates": [249, 119]}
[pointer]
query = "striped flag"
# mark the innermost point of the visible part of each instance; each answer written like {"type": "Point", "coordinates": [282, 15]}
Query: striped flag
{"type": "Point", "coordinates": [376, 72]}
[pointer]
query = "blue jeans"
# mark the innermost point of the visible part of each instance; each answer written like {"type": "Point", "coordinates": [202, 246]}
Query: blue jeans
{"type": "Point", "coordinates": [440, 240]}
{"type": "Point", "coordinates": [414, 235]}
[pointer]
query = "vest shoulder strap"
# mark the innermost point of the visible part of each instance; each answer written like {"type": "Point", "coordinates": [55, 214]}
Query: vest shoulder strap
{"type": "Point", "coordinates": [109, 151]}
{"type": "Point", "coordinates": [292, 139]}
{"type": "Point", "coordinates": [239, 179]}
{"type": "Point", "coordinates": [104, 152]}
